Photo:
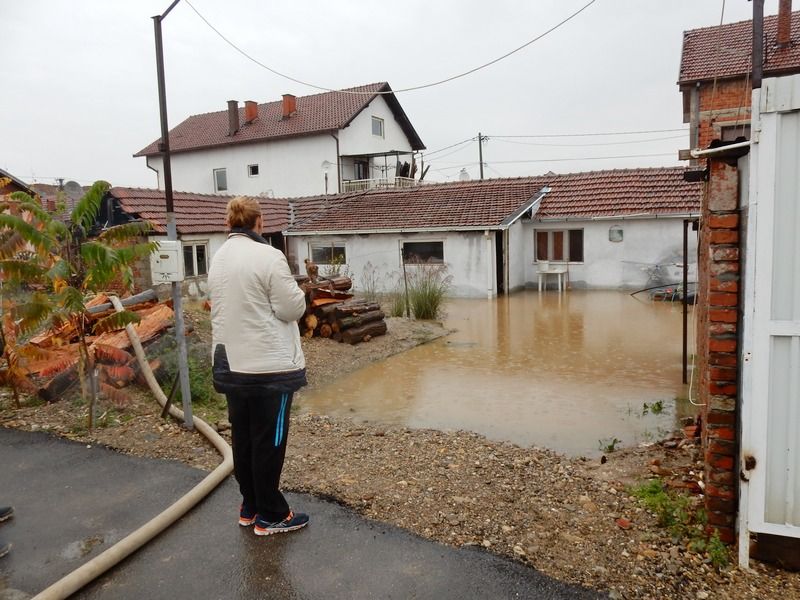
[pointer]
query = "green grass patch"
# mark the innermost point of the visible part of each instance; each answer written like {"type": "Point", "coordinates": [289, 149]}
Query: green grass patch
{"type": "Point", "coordinates": [685, 521]}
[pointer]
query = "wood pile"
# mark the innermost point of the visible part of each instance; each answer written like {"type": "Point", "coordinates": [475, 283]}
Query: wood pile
{"type": "Point", "coordinates": [332, 312]}
{"type": "Point", "coordinates": [55, 370]}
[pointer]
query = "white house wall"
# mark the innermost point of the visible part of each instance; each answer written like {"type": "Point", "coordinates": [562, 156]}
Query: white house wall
{"type": "Point", "coordinates": [465, 255]}
{"type": "Point", "coordinates": [196, 286]}
{"type": "Point", "coordinates": [357, 138]}
{"type": "Point", "coordinates": [517, 258]}
{"type": "Point", "coordinates": [287, 168]}
{"type": "Point", "coordinates": [646, 244]}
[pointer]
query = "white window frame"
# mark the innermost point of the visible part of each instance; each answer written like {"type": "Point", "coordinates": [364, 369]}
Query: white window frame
{"type": "Point", "coordinates": [378, 120]}
{"type": "Point", "coordinates": [335, 244]}
{"type": "Point", "coordinates": [224, 171]}
{"type": "Point", "coordinates": [422, 264]}
{"type": "Point", "coordinates": [193, 244]}
{"type": "Point", "coordinates": [250, 170]}
{"type": "Point", "coordinates": [565, 250]}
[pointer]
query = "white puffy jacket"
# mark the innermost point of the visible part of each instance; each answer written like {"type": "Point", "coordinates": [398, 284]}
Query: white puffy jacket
{"type": "Point", "coordinates": [255, 303]}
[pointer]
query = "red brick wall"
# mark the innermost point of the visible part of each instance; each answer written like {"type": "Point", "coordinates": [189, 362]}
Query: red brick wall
{"type": "Point", "coordinates": [729, 104]}
{"type": "Point", "coordinates": [717, 344]}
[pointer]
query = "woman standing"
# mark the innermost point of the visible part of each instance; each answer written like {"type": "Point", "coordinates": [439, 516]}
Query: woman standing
{"type": "Point", "coordinates": [258, 361]}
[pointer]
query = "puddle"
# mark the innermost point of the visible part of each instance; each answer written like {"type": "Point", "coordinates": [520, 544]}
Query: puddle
{"type": "Point", "coordinates": [571, 373]}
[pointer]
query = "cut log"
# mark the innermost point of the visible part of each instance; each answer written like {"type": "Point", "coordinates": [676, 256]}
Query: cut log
{"type": "Point", "coordinates": [333, 283]}
{"type": "Point", "coordinates": [357, 334]}
{"type": "Point", "coordinates": [146, 297]}
{"type": "Point", "coordinates": [336, 336]}
{"type": "Point", "coordinates": [348, 310]}
{"type": "Point", "coordinates": [360, 319]}
{"type": "Point", "coordinates": [154, 321]}
{"type": "Point", "coordinates": [311, 322]}
{"type": "Point", "coordinates": [325, 330]}
{"type": "Point", "coordinates": [59, 385]}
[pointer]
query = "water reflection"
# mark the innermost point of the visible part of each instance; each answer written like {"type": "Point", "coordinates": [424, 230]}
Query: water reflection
{"type": "Point", "coordinates": [561, 371]}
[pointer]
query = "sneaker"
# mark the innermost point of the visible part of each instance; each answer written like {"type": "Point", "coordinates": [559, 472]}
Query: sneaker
{"type": "Point", "coordinates": [4, 549]}
{"type": "Point", "coordinates": [291, 523]}
{"type": "Point", "coordinates": [6, 512]}
{"type": "Point", "coordinates": [246, 516]}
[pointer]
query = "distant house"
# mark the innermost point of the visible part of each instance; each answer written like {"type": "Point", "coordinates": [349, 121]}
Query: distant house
{"type": "Point", "coordinates": [320, 144]}
{"type": "Point", "coordinates": [715, 74]}
{"type": "Point", "coordinates": [14, 185]}
{"type": "Point", "coordinates": [610, 229]}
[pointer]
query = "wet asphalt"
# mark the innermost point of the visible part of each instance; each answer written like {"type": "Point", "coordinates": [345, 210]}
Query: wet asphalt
{"type": "Point", "coordinates": [72, 502]}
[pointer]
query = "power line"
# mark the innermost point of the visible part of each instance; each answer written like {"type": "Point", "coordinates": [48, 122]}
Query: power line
{"type": "Point", "coordinates": [408, 89]}
{"type": "Point", "coordinates": [673, 137]}
{"type": "Point", "coordinates": [472, 139]}
{"type": "Point", "coordinates": [540, 160]}
{"type": "Point", "coordinates": [559, 135]}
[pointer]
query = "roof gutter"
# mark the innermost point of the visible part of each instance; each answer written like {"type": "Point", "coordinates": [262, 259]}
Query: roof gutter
{"type": "Point", "coordinates": [499, 227]}
{"type": "Point", "coordinates": [621, 217]}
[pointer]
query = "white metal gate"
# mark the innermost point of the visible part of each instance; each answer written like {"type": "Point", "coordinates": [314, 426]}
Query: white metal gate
{"type": "Point", "coordinates": [770, 454]}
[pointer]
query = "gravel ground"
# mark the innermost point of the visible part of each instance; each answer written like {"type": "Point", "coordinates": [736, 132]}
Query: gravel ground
{"type": "Point", "coordinates": [573, 519]}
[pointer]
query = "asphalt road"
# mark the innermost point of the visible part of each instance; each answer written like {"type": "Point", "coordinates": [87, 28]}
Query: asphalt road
{"type": "Point", "coordinates": [72, 502]}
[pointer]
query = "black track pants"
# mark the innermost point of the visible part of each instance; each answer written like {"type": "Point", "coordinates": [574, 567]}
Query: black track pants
{"type": "Point", "coordinates": [259, 428]}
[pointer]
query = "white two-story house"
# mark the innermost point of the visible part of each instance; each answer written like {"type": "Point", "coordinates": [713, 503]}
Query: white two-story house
{"type": "Point", "coordinates": [327, 143]}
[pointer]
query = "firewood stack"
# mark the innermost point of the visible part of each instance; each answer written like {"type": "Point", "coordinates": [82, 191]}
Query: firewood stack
{"type": "Point", "coordinates": [333, 313]}
{"type": "Point", "coordinates": [56, 368]}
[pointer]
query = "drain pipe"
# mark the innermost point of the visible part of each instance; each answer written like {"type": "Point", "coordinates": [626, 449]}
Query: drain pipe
{"type": "Point", "coordinates": [75, 580]}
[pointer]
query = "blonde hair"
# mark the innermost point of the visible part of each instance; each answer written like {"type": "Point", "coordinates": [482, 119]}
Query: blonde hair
{"type": "Point", "coordinates": [242, 212]}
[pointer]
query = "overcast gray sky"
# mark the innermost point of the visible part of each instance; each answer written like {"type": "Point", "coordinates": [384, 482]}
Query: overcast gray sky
{"type": "Point", "coordinates": [80, 95]}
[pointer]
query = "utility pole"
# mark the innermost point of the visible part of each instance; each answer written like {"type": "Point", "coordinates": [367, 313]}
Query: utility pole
{"type": "Point", "coordinates": [481, 139]}
{"type": "Point", "coordinates": [172, 230]}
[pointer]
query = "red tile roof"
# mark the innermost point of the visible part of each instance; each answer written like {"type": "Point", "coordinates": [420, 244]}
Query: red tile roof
{"type": "Point", "coordinates": [318, 113]}
{"type": "Point", "coordinates": [488, 203]}
{"type": "Point", "coordinates": [461, 205]}
{"type": "Point", "coordinates": [726, 51]}
{"type": "Point", "coordinates": [194, 213]}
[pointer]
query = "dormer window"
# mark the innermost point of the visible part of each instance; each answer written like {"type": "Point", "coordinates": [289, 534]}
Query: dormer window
{"type": "Point", "coordinates": [377, 126]}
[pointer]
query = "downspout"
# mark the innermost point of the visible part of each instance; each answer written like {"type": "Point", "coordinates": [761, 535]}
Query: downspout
{"type": "Point", "coordinates": [338, 165]}
{"type": "Point", "coordinates": [489, 270]}
{"type": "Point", "coordinates": [158, 174]}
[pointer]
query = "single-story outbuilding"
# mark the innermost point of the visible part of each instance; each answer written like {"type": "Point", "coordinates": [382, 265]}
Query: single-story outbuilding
{"type": "Point", "coordinates": [608, 229]}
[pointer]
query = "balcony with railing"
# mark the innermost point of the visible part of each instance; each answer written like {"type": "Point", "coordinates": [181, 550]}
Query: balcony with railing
{"type": "Point", "coordinates": [360, 185]}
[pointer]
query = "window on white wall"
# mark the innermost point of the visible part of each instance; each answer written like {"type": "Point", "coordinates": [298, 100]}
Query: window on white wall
{"type": "Point", "coordinates": [220, 180]}
{"type": "Point", "coordinates": [252, 170]}
{"type": "Point", "coordinates": [195, 258]}
{"type": "Point", "coordinates": [328, 253]}
{"type": "Point", "coordinates": [564, 245]}
{"type": "Point", "coordinates": [377, 126]}
{"type": "Point", "coordinates": [423, 253]}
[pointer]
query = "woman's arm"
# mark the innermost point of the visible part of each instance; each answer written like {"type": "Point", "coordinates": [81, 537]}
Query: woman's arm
{"type": "Point", "coordinates": [287, 299]}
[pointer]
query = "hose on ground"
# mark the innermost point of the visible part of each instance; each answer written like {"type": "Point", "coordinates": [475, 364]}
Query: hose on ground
{"type": "Point", "coordinates": [71, 583]}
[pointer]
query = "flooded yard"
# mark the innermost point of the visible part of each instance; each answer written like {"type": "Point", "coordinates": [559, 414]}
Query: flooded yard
{"type": "Point", "coordinates": [571, 372]}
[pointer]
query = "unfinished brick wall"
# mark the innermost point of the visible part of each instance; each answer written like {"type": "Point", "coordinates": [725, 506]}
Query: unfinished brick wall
{"type": "Point", "coordinates": [717, 344]}
{"type": "Point", "coordinates": [728, 105]}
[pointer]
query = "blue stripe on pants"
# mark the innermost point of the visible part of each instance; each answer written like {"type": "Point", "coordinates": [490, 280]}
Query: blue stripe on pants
{"type": "Point", "coordinates": [279, 425]}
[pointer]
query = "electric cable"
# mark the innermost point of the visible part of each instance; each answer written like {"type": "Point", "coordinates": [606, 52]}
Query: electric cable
{"type": "Point", "coordinates": [600, 133]}
{"type": "Point", "coordinates": [408, 89]}
{"type": "Point", "coordinates": [472, 139]}
{"type": "Point", "coordinates": [660, 139]}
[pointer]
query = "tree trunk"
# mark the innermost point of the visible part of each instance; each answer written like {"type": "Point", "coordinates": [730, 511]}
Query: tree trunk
{"type": "Point", "coordinates": [347, 310]}
{"type": "Point", "coordinates": [357, 334]}
{"type": "Point", "coordinates": [325, 330]}
{"type": "Point", "coordinates": [311, 322]}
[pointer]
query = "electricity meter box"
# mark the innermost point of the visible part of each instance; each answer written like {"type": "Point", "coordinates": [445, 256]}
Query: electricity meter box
{"type": "Point", "coordinates": [166, 263]}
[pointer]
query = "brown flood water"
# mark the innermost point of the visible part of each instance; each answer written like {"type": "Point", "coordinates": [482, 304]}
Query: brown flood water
{"type": "Point", "coordinates": [563, 372]}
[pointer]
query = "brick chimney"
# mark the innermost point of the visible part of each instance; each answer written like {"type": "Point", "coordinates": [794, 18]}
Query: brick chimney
{"type": "Point", "coordinates": [785, 24]}
{"type": "Point", "coordinates": [289, 105]}
{"type": "Point", "coordinates": [233, 117]}
{"type": "Point", "coordinates": [250, 111]}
